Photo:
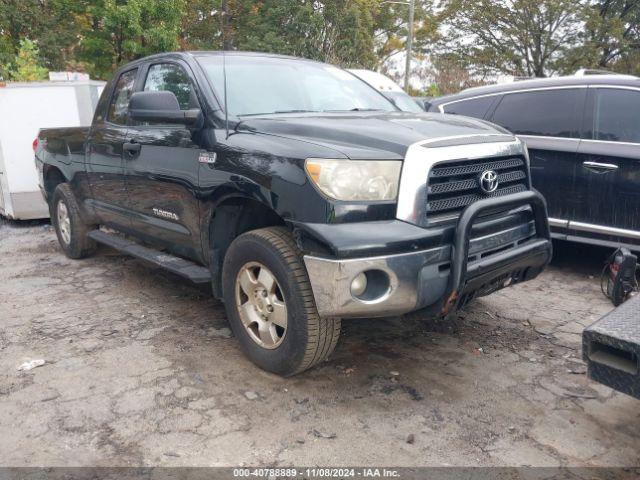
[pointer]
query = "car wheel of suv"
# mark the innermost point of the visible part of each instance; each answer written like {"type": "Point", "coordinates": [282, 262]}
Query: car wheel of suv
{"type": "Point", "coordinates": [72, 232]}
{"type": "Point", "coordinates": [270, 304]}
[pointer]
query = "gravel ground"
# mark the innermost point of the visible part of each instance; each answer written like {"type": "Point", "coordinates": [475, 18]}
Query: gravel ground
{"type": "Point", "coordinates": [141, 370]}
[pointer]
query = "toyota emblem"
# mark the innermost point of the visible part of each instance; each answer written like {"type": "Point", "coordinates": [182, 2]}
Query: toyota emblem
{"type": "Point", "coordinates": [489, 181]}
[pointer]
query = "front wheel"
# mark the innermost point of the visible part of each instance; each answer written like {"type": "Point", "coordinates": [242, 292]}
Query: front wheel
{"type": "Point", "coordinates": [270, 304]}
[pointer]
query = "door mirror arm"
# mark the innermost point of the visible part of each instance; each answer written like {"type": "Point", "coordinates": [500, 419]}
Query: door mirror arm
{"type": "Point", "coordinates": [189, 117]}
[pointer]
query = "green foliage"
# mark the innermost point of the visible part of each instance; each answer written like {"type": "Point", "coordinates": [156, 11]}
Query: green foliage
{"type": "Point", "coordinates": [519, 37]}
{"type": "Point", "coordinates": [26, 67]}
{"type": "Point", "coordinates": [123, 31]}
{"type": "Point", "coordinates": [450, 74]}
{"type": "Point", "coordinates": [337, 31]}
{"type": "Point", "coordinates": [391, 21]}
{"type": "Point", "coordinates": [611, 38]}
{"type": "Point", "coordinates": [202, 25]}
{"type": "Point", "coordinates": [457, 43]}
{"type": "Point", "coordinates": [57, 25]}
{"type": "Point", "coordinates": [432, 91]}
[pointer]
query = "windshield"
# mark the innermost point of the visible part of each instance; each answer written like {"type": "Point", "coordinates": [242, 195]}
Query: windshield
{"type": "Point", "coordinates": [404, 102]}
{"type": "Point", "coordinates": [265, 85]}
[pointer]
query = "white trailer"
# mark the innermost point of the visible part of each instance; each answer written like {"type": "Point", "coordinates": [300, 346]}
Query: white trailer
{"type": "Point", "coordinates": [25, 108]}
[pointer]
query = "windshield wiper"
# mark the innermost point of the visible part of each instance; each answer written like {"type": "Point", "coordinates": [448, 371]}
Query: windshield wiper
{"type": "Point", "coordinates": [295, 111]}
{"type": "Point", "coordinates": [356, 109]}
{"type": "Point", "coordinates": [276, 112]}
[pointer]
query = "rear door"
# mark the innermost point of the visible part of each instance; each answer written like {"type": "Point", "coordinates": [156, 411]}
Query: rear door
{"type": "Point", "coordinates": [548, 120]}
{"type": "Point", "coordinates": [162, 176]}
{"type": "Point", "coordinates": [104, 162]}
{"type": "Point", "coordinates": [610, 165]}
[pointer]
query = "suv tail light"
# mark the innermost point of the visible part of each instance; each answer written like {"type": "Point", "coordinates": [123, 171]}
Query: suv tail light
{"type": "Point", "coordinates": [35, 144]}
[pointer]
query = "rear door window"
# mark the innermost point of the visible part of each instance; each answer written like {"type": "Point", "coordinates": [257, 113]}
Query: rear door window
{"type": "Point", "coordinates": [119, 106]}
{"type": "Point", "coordinates": [547, 113]}
{"type": "Point", "coordinates": [475, 107]}
{"type": "Point", "coordinates": [616, 115]}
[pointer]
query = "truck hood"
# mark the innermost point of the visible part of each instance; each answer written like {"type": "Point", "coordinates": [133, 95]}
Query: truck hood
{"type": "Point", "coordinates": [367, 135]}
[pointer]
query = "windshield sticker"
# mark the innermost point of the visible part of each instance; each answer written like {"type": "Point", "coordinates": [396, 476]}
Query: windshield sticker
{"type": "Point", "coordinates": [207, 157]}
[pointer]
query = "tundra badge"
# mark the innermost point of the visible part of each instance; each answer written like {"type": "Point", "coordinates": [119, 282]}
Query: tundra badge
{"type": "Point", "coordinates": [158, 212]}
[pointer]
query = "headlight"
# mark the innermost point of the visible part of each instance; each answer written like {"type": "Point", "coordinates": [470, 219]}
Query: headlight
{"type": "Point", "coordinates": [355, 179]}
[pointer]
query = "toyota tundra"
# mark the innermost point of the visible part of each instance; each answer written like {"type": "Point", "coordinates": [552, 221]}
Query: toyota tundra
{"type": "Point", "coordinates": [299, 192]}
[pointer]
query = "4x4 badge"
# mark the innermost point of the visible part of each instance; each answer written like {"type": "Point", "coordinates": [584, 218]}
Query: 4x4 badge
{"type": "Point", "coordinates": [207, 157]}
{"type": "Point", "coordinates": [488, 181]}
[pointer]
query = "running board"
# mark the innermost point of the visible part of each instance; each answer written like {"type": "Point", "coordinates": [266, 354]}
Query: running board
{"type": "Point", "coordinates": [611, 348]}
{"type": "Point", "coordinates": [194, 272]}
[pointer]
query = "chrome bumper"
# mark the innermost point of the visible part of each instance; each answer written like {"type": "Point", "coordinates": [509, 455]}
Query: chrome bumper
{"type": "Point", "coordinates": [331, 283]}
{"type": "Point", "coordinates": [416, 279]}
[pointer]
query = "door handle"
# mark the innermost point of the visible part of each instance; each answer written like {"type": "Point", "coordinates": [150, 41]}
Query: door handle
{"type": "Point", "coordinates": [600, 167]}
{"type": "Point", "coordinates": [132, 148]}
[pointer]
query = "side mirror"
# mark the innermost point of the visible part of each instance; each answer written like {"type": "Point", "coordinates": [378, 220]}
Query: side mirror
{"type": "Point", "coordinates": [160, 107]}
{"type": "Point", "coordinates": [424, 102]}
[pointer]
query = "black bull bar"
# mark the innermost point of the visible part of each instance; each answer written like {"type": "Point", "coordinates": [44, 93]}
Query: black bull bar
{"type": "Point", "coordinates": [459, 257]}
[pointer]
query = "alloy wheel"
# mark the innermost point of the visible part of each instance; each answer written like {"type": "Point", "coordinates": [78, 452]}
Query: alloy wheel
{"type": "Point", "coordinates": [64, 222]}
{"type": "Point", "coordinates": [261, 305]}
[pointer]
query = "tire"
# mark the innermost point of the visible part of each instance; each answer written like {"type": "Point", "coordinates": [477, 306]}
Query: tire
{"type": "Point", "coordinates": [307, 339]}
{"type": "Point", "coordinates": [72, 235]}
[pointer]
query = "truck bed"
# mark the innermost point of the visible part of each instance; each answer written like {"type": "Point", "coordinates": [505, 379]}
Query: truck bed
{"type": "Point", "coordinates": [64, 141]}
{"type": "Point", "coordinates": [611, 348]}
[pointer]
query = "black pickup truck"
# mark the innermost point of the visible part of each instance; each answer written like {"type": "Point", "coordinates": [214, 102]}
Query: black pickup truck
{"type": "Point", "coordinates": [299, 192]}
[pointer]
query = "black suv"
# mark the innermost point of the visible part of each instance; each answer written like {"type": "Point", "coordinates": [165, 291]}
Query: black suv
{"type": "Point", "coordinates": [583, 135]}
{"type": "Point", "coordinates": [301, 194]}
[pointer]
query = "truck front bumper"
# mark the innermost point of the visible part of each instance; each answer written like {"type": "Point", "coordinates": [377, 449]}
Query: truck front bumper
{"type": "Point", "coordinates": [443, 277]}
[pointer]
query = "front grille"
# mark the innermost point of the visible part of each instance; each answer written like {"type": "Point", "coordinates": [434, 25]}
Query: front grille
{"type": "Point", "coordinates": [451, 186]}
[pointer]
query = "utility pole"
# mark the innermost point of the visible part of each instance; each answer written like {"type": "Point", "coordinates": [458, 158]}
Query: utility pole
{"type": "Point", "coordinates": [407, 68]}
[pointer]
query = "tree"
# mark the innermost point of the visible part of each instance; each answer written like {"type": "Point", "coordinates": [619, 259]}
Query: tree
{"type": "Point", "coordinates": [27, 67]}
{"type": "Point", "coordinates": [202, 25]}
{"type": "Point", "coordinates": [516, 37]}
{"type": "Point", "coordinates": [336, 31]}
{"type": "Point", "coordinates": [460, 41]}
{"type": "Point", "coordinates": [55, 24]}
{"type": "Point", "coordinates": [125, 30]}
{"type": "Point", "coordinates": [448, 74]}
{"type": "Point", "coordinates": [392, 29]}
{"type": "Point", "coordinates": [611, 38]}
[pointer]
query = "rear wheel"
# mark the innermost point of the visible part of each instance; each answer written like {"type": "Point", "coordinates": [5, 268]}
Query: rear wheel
{"type": "Point", "coordinates": [71, 230]}
{"type": "Point", "coordinates": [270, 304]}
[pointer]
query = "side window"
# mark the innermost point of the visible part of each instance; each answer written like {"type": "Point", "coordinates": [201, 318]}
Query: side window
{"type": "Point", "coordinates": [476, 107]}
{"type": "Point", "coordinates": [616, 115]}
{"type": "Point", "coordinates": [172, 78]}
{"type": "Point", "coordinates": [549, 113]}
{"type": "Point", "coordinates": [119, 106]}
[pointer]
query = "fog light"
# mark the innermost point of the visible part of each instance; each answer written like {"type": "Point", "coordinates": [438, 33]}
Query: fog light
{"type": "Point", "coordinates": [359, 285]}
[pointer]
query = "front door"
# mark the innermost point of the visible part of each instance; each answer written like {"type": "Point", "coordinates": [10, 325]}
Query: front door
{"type": "Point", "coordinates": [162, 175]}
{"type": "Point", "coordinates": [610, 166]}
{"type": "Point", "coordinates": [104, 161]}
{"type": "Point", "coordinates": [547, 120]}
